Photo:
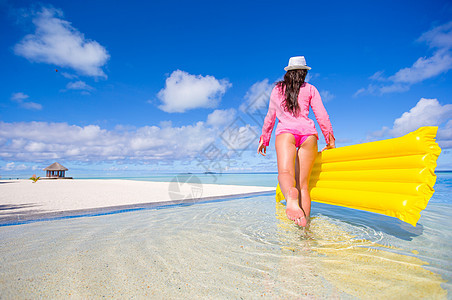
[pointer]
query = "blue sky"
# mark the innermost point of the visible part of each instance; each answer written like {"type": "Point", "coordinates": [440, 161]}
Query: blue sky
{"type": "Point", "coordinates": [132, 88]}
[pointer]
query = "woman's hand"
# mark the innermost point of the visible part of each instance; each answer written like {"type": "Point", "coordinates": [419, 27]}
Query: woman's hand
{"type": "Point", "coordinates": [262, 149]}
{"type": "Point", "coordinates": [331, 144]}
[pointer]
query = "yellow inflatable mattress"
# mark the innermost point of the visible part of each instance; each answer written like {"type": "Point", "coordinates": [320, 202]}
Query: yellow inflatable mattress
{"type": "Point", "coordinates": [394, 177]}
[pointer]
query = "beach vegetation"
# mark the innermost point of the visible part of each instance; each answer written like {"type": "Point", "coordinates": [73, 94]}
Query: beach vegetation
{"type": "Point", "coordinates": [34, 178]}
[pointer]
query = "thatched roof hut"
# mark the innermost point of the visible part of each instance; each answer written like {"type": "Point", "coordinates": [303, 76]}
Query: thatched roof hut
{"type": "Point", "coordinates": [56, 167]}
{"type": "Point", "coordinates": [56, 170]}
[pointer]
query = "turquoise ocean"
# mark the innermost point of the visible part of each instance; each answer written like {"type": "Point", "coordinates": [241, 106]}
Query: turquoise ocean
{"type": "Point", "coordinates": [242, 247]}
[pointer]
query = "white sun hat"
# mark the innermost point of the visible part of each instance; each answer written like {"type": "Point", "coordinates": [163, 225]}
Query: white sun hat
{"type": "Point", "coordinates": [297, 62]}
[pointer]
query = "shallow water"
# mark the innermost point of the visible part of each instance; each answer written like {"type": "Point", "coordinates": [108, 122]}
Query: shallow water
{"type": "Point", "coordinates": [250, 179]}
{"type": "Point", "coordinates": [231, 249]}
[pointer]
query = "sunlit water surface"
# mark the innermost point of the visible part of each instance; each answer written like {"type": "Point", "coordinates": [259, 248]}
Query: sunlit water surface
{"type": "Point", "coordinates": [230, 249]}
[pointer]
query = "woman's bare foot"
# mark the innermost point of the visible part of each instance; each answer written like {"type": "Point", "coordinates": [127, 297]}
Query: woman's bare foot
{"type": "Point", "coordinates": [293, 210]}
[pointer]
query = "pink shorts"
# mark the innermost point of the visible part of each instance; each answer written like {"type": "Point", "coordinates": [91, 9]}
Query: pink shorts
{"type": "Point", "coordinates": [299, 138]}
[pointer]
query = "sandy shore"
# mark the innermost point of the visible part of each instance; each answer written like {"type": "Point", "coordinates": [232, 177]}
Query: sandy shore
{"type": "Point", "coordinates": [22, 201]}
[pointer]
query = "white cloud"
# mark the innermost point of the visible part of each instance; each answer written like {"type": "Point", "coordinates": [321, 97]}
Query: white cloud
{"type": "Point", "coordinates": [257, 96]}
{"type": "Point", "coordinates": [445, 136]}
{"type": "Point", "coordinates": [238, 137]}
{"type": "Point", "coordinates": [326, 96]}
{"type": "Point", "coordinates": [42, 141]}
{"type": "Point", "coordinates": [184, 91]}
{"type": "Point", "coordinates": [394, 88]}
{"type": "Point", "coordinates": [55, 41]}
{"type": "Point", "coordinates": [446, 132]}
{"type": "Point", "coordinates": [68, 75]}
{"type": "Point", "coordinates": [373, 89]}
{"type": "Point", "coordinates": [370, 89]}
{"type": "Point", "coordinates": [79, 85]}
{"type": "Point", "coordinates": [378, 76]}
{"type": "Point", "coordinates": [422, 69]}
{"type": "Point", "coordinates": [438, 37]}
{"type": "Point", "coordinates": [11, 166]}
{"type": "Point", "coordinates": [221, 117]}
{"type": "Point", "coordinates": [311, 76]}
{"type": "Point", "coordinates": [20, 99]}
{"type": "Point", "coordinates": [162, 145]}
{"type": "Point", "coordinates": [427, 112]}
{"type": "Point", "coordinates": [31, 105]}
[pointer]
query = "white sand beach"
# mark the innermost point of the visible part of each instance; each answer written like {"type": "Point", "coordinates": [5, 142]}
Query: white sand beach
{"type": "Point", "coordinates": [24, 200]}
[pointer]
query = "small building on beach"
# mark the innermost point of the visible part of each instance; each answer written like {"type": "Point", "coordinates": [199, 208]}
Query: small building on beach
{"type": "Point", "coordinates": [56, 171]}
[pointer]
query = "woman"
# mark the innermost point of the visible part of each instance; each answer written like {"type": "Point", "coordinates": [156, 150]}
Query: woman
{"type": "Point", "coordinates": [296, 136]}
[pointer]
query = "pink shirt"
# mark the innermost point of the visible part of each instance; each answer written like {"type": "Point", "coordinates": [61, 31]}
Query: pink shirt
{"type": "Point", "coordinates": [301, 124]}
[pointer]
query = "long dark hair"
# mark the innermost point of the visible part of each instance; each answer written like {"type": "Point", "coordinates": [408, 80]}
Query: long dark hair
{"type": "Point", "coordinates": [290, 88]}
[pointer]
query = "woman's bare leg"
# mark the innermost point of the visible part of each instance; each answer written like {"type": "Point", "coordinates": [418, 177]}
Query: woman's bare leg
{"type": "Point", "coordinates": [297, 178]}
{"type": "Point", "coordinates": [306, 156]}
{"type": "Point", "coordinates": [286, 153]}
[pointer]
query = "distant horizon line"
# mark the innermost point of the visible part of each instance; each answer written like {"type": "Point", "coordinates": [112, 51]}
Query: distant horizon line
{"type": "Point", "coordinates": [17, 176]}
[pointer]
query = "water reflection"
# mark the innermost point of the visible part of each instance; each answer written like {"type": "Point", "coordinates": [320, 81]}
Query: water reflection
{"type": "Point", "coordinates": [358, 259]}
{"type": "Point", "coordinates": [231, 249]}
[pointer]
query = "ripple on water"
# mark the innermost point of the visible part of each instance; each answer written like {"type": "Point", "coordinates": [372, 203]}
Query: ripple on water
{"type": "Point", "coordinates": [238, 248]}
